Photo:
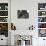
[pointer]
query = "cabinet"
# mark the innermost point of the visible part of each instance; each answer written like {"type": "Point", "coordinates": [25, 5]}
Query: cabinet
{"type": "Point", "coordinates": [42, 41]}
{"type": "Point", "coordinates": [4, 23]}
{"type": "Point", "coordinates": [42, 19]}
{"type": "Point", "coordinates": [4, 19]}
{"type": "Point", "coordinates": [3, 40]}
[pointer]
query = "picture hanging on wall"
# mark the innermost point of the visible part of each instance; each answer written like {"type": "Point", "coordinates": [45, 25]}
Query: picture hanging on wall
{"type": "Point", "coordinates": [22, 14]}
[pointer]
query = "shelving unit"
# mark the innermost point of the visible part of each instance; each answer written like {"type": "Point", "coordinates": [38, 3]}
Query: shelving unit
{"type": "Point", "coordinates": [4, 19]}
{"type": "Point", "coordinates": [42, 19]}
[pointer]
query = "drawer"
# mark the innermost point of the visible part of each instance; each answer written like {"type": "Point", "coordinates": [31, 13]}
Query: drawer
{"type": "Point", "coordinates": [3, 41]}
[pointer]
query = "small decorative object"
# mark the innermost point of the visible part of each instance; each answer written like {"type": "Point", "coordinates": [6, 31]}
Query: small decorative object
{"type": "Point", "coordinates": [4, 29]}
{"type": "Point", "coordinates": [45, 7]}
{"type": "Point", "coordinates": [42, 32]}
{"type": "Point", "coordinates": [43, 13]}
{"type": "Point", "coordinates": [41, 25]}
{"type": "Point", "coordinates": [41, 8]}
{"type": "Point", "coordinates": [3, 13]}
{"type": "Point", "coordinates": [0, 7]}
{"type": "Point", "coordinates": [43, 39]}
{"type": "Point", "coordinates": [31, 27]}
{"type": "Point", "coordinates": [22, 14]}
{"type": "Point", "coordinates": [3, 19]}
{"type": "Point", "coordinates": [13, 27]}
{"type": "Point", "coordinates": [6, 7]}
{"type": "Point", "coordinates": [4, 26]}
{"type": "Point", "coordinates": [41, 19]}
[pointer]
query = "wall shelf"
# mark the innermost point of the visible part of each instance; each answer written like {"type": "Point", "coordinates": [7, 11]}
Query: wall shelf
{"type": "Point", "coordinates": [3, 10]}
{"type": "Point", "coordinates": [41, 22]}
{"type": "Point", "coordinates": [41, 28]}
{"type": "Point", "coordinates": [42, 16]}
{"type": "Point", "coordinates": [3, 16]}
{"type": "Point", "coordinates": [42, 10]}
{"type": "Point", "coordinates": [3, 22]}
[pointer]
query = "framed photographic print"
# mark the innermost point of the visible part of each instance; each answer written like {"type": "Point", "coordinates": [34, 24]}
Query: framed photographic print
{"type": "Point", "coordinates": [22, 14]}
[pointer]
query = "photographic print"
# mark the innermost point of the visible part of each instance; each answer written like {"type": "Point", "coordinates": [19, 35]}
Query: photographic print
{"type": "Point", "coordinates": [22, 14]}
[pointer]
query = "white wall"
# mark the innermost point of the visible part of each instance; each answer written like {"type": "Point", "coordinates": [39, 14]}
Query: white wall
{"type": "Point", "coordinates": [31, 6]}
{"type": "Point", "coordinates": [22, 24]}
